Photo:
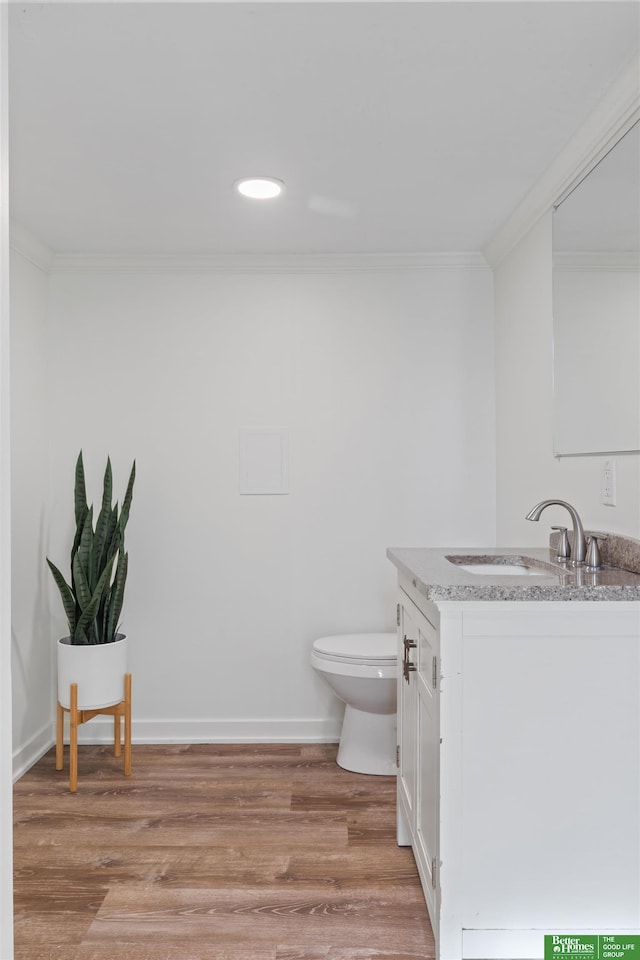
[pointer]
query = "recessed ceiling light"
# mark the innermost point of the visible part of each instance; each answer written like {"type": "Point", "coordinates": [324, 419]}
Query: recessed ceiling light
{"type": "Point", "coordinates": [260, 188]}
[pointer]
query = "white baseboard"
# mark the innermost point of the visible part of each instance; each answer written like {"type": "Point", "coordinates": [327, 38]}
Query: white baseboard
{"type": "Point", "coordinates": [100, 730]}
{"type": "Point", "coordinates": [36, 747]}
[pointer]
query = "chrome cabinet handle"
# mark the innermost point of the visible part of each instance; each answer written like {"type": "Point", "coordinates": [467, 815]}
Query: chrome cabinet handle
{"type": "Point", "coordinates": [407, 669]}
{"type": "Point", "coordinates": [407, 666]}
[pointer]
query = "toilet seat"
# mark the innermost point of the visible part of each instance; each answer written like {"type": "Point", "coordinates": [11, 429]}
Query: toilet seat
{"type": "Point", "coordinates": [367, 649]}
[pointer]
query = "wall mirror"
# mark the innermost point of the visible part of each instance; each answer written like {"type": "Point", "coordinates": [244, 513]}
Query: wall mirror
{"type": "Point", "coordinates": [596, 307]}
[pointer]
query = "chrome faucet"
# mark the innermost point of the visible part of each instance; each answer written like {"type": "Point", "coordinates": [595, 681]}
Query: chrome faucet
{"type": "Point", "coordinates": [578, 547]}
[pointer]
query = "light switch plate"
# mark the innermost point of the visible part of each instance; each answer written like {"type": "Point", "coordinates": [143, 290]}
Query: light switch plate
{"type": "Point", "coordinates": [608, 483]}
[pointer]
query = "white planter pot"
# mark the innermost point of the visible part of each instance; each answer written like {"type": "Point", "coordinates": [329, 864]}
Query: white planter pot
{"type": "Point", "coordinates": [98, 669]}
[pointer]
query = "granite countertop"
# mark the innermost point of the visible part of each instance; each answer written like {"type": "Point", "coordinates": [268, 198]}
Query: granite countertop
{"type": "Point", "coordinates": [437, 578]}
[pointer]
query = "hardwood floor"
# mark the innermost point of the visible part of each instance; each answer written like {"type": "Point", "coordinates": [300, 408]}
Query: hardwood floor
{"type": "Point", "coordinates": [213, 852]}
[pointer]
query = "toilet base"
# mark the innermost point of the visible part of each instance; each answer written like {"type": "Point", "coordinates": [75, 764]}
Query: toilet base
{"type": "Point", "coordinates": [368, 742]}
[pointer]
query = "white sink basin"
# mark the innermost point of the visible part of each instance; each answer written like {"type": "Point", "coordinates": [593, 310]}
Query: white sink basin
{"type": "Point", "coordinates": [501, 565]}
{"type": "Point", "coordinates": [502, 569]}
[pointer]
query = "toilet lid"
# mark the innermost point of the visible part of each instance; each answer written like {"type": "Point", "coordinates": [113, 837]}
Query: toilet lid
{"type": "Point", "coordinates": [376, 647]}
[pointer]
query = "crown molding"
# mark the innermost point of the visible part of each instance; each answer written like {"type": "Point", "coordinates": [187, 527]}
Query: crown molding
{"type": "Point", "coordinates": [616, 113]}
{"type": "Point", "coordinates": [263, 263]}
{"type": "Point", "coordinates": [29, 247]}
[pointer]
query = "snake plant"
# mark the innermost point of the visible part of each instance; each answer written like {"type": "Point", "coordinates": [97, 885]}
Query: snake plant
{"type": "Point", "coordinates": [93, 600]}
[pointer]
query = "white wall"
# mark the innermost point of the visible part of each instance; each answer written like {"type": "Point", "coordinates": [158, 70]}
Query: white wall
{"type": "Point", "coordinates": [526, 468]}
{"type": "Point", "coordinates": [385, 381]}
{"type": "Point", "coordinates": [6, 825]}
{"type": "Point", "coordinates": [596, 331]}
{"type": "Point", "coordinates": [32, 426]}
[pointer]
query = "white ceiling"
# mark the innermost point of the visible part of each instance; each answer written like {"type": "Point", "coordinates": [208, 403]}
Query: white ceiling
{"type": "Point", "coordinates": [398, 127]}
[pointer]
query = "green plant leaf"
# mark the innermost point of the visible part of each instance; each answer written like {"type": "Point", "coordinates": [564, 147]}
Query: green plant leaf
{"type": "Point", "coordinates": [68, 600]}
{"type": "Point", "coordinates": [84, 549]}
{"type": "Point", "coordinates": [90, 611]}
{"type": "Point", "coordinates": [103, 615]}
{"type": "Point", "coordinates": [117, 597]}
{"type": "Point", "coordinates": [107, 486]}
{"type": "Point", "coordinates": [81, 584]}
{"type": "Point", "coordinates": [103, 526]}
{"type": "Point", "coordinates": [112, 526]}
{"type": "Point", "coordinates": [80, 491]}
{"type": "Point", "coordinates": [114, 545]}
{"type": "Point", "coordinates": [78, 533]}
{"type": "Point", "coordinates": [126, 503]}
{"type": "Point", "coordinates": [80, 638]}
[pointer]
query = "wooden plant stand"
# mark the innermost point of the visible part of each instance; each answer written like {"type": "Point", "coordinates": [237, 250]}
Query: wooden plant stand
{"type": "Point", "coordinates": [76, 717]}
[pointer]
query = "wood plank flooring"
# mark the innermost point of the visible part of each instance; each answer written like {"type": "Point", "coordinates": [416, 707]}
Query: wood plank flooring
{"type": "Point", "coordinates": [213, 852]}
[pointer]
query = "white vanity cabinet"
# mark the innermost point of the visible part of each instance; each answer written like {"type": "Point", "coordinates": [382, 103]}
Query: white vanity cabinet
{"type": "Point", "coordinates": [519, 769]}
{"type": "Point", "coordinates": [418, 753]}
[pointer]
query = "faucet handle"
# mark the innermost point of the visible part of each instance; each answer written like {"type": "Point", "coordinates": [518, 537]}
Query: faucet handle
{"type": "Point", "coordinates": [593, 560]}
{"type": "Point", "coordinates": [564, 550]}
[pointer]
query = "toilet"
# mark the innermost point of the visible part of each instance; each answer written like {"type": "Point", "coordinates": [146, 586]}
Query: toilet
{"type": "Point", "coordinates": [362, 670]}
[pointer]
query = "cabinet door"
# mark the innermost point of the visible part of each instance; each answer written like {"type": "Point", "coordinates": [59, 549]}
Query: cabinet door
{"type": "Point", "coordinates": [428, 751]}
{"type": "Point", "coordinates": [407, 714]}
